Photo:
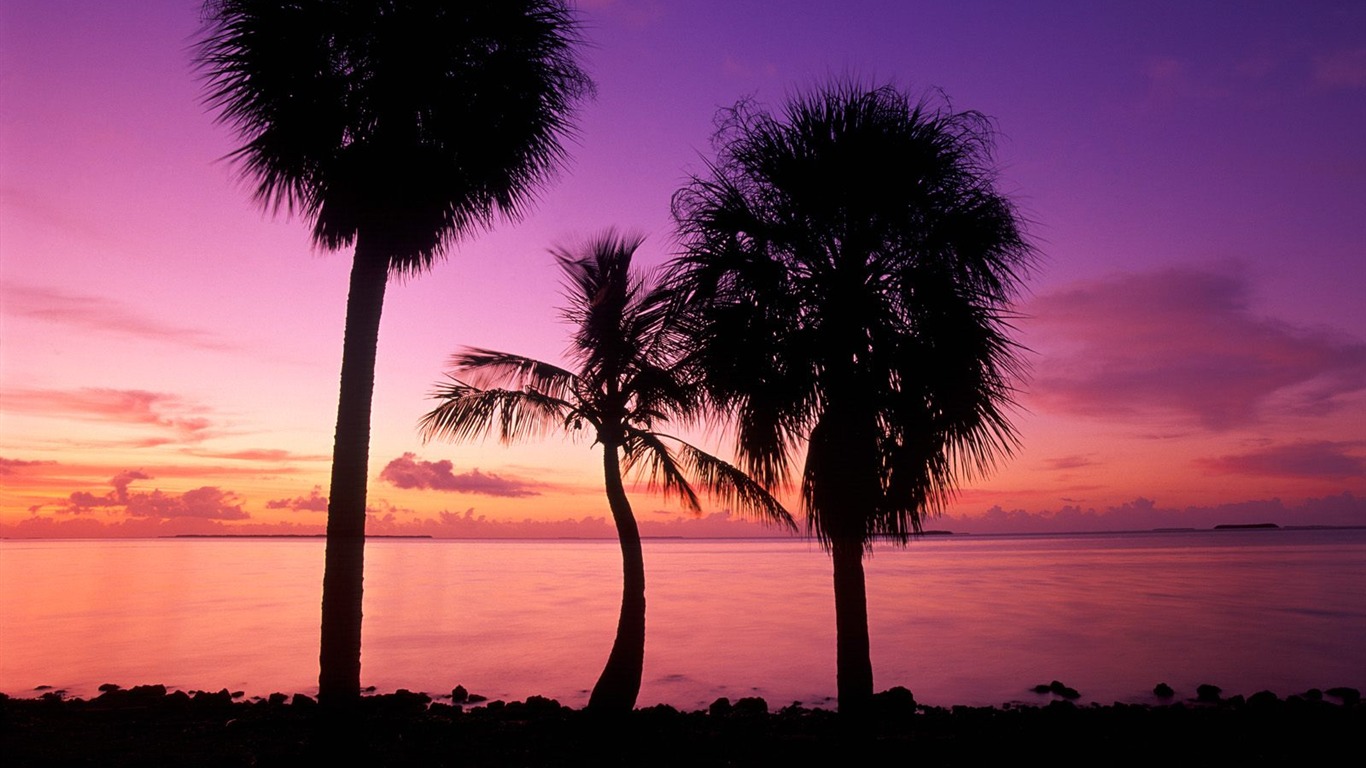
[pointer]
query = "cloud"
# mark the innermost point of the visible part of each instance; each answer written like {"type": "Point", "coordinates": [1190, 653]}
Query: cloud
{"type": "Point", "coordinates": [408, 471]}
{"type": "Point", "coordinates": [313, 502]}
{"type": "Point", "coordinates": [1068, 462]}
{"type": "Point", "coordinates": [122, 480]}
{"type": "Point", "coordinates": [100, 314]}
{"type": "Point", "coordinates": [8, 466]}
{"type": "Point", "coordinates": [1305, 459]}
{"type": "Point", "coordinates": [169, 414]}
{"type": "Point", "coordinates": [205, 502]}
{"type": "Point", "coordinates": [82, 501]}
{"type": "Point", "coordinates": [1184, 341]}
{"type": "Point", "coordinates": [1343, 69]}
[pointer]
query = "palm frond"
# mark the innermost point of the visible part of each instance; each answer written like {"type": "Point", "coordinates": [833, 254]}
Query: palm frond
{"type": "Point", "coordinates": [645, 454]}
{"type": "Point", "coordinates": [470, 413]}
{"type": "Point", "coordinates": [485, 368]}
{"type": "Point", "coordinates": [669, 469]}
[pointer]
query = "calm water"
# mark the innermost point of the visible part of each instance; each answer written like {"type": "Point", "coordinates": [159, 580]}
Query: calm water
{"type": "Point", "coordinates": [962, 620]}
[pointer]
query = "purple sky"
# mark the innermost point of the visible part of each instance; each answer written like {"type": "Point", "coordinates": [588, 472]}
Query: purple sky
{"type": "Point", "coordinates": [1193, 173]}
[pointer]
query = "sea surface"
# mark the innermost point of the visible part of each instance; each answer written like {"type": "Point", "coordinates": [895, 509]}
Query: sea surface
{"type": "Point", "coordinates": [973, 620]}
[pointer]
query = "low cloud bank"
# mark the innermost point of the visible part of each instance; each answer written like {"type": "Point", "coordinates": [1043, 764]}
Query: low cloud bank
{"type": "Point", "coordinates": [1142, 514]}
{"type": "Point", "coordinates": [408, 471]}
{"type": "Point", "coordinates": [1344, 509]}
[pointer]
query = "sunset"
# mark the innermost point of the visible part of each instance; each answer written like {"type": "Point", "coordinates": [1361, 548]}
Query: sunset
{"type": "Point", "coordinates": [1193, 184]}
{"type": "Point", "coordinates": [1182, 312]}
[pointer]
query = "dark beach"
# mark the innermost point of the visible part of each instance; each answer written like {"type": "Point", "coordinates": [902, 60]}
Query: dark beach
{"type": "Point", "coordinates": [146, 725]}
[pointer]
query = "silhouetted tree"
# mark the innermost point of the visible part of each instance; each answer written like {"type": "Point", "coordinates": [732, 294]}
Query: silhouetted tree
{"type": "Point", "coordinates": [396, 126]}
{"type": "Point", "coordinates": [849, 265]}
{"type": "Point", "coordinates": [628, 385]}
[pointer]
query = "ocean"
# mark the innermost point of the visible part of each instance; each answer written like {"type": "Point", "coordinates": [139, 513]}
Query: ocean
{"type": "Point", "coordinates": [975, 620]}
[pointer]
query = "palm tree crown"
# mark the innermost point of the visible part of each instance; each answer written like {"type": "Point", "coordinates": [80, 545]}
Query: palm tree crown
{"type": "Point", "coordinates": [849, 265]}
{"type": "Point", "coordinates": [629, 384]}
{"type": "Point", "coordinates": [409, 122]}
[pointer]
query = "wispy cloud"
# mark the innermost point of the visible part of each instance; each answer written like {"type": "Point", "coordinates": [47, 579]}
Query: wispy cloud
{"type": "Point", "coordinates": [174, 419]}
{"type": "Point", "coordinates": [10, 466]}
{"type": "Point", "coordinates": [101, 315]}
{"type": "Point", "coordinates": [1306, 459]}
{"type": "Point", "coordinates": [1187, 342]}
{"type": "Point", "coordinates": [1062, 463]}
{"type": "Point", "coordinates": [408, 471]}
{"type": "Point", "coordinates": [262, 455]}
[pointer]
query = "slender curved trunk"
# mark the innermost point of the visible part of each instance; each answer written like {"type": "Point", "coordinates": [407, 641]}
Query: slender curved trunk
{"type": "Point", "coordinates": [619, 684]}
{"type": "Point", "coordinates": [339, 654]}
{"type": "Point", "coordinates": [853, 661]}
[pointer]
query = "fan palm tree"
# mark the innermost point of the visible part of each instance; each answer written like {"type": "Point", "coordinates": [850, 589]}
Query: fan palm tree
{"type": "Point", "coordinates": [397, 127]}
{"type": "Point", "coordinates": [629, 384]}
{"type": "Point", "coordinates": [849, 266]}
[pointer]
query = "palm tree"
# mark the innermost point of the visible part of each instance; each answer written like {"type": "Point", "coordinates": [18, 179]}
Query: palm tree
{"type": "Point", "coordinates": [629, 384]}
{"type": "Point", "coordinates": [397, 127]}
{"type": "Point", "coordinates": [849, 266]}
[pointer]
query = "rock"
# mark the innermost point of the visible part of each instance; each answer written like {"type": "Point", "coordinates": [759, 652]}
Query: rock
{"type": "Point", "coordinates": [896, 702]}
{"type": "Point", "coordinates": [719, 708]}
{"type": "Point", "coordinates": [1263, 699]}
{"type": "Point", "coordinates": [459, 695]}
{"type": "Point", "coordinates": [147, 693]}
{"type": "Point", "coordinates": [1349, 696]}
{"type": "Point", "coordinates": [300, 700]}
{"type": "Point", "coordinates": [751, 705]}
{"type": "Point", "coordinates": [221, 698]}
{"type": "Point", "coordinates": [406, 696]}
{"type": "Point", "coordinates": [1314, 694]}
{"type": "Point", "coordinates": [1163, 691]}
{"type": "Point", "coordinates": [1059, 689]}
{"type": "Point", "coordinates": [535, 707]}
{"type": "Point", "coordinates": [1207, 693]}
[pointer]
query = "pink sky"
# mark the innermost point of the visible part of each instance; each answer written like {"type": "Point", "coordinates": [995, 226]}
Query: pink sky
{"type": "Point", "coordinates": [1193, 173]}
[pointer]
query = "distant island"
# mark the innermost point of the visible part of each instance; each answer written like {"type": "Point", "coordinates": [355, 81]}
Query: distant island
{"type": "Point", "coordinates": [1243, 526]}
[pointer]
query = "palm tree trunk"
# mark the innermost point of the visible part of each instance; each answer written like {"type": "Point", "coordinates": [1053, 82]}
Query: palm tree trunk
{"type": "Point", "coordinates": [853, 663]}
{"type": "Point", "coordinates": [842, 452]}
{"type": "Point", "coordinates": [339, 655]}
{"type": "Point", "coordinates": [619, 685]}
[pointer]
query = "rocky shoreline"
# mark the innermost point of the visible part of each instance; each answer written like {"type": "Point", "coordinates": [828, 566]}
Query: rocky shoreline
{"type": "Point", "coordinates": [147, 725]}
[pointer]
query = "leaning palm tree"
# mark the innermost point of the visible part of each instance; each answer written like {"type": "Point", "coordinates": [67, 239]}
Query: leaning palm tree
{"type": "Point", "coordinates": [397, 127]}
{"type": "Point", "coordinates": [849, 266]}
{"type": "Point", "coordinates": [629, 384]}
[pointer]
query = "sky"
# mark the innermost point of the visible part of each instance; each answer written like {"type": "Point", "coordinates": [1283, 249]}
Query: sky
{"type": "Point", "coordinates": [1192, 175]}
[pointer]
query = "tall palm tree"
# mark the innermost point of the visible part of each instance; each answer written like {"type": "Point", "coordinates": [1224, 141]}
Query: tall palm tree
{"type": "Point", "coordinates": [396, 126]}
{"type": "Point", "coordinates": [629, 384]}
{"type": "Point", "coordinates": [849, 265]}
